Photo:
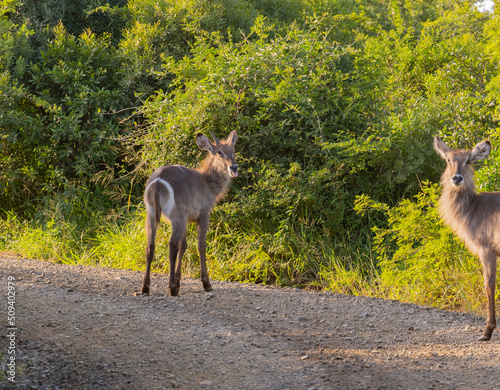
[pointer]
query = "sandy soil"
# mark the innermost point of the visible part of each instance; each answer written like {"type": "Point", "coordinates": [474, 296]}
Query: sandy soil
{"type": "Point", "coordinates": [83, 328]}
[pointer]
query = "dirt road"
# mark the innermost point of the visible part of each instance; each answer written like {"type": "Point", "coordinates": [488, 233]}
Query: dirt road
{"type": "Point", "coordinates": [83, 328]}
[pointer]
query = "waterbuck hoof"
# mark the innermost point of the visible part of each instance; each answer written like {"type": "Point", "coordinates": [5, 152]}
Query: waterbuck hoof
{"type": "Point", "coordinates": [174, 291]}
{"type": "Point", "coordinates": [145, 291]}
{"type": "Point", "coordinates": [206, 285]}
{"type": "Point", "coordinates": [484, 338]}
{"type": "Point", "coordinates": [487, 335]}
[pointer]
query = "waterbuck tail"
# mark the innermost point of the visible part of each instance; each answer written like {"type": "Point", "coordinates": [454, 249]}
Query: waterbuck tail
{"type": "Point", "coordinates": [157, 204]}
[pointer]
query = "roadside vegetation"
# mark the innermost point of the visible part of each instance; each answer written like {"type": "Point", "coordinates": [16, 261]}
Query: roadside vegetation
{"type": "Point", "coordinates": [335, 103]}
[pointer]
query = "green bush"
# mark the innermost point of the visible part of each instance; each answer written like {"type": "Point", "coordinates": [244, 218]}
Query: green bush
{"type": "Point", "coordinates": [419, 259]}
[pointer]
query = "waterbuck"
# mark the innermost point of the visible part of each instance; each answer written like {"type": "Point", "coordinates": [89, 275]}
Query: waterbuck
{"type": "Point", "coordinates": [474, 217]}
{"type": "Point", "coordinates": [184, 195]}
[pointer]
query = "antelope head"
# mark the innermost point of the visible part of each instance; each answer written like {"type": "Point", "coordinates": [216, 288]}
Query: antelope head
{"type": "Point", "coordinates": [459, 162]}
{"type": "Point", "coordinates": [222, 151]}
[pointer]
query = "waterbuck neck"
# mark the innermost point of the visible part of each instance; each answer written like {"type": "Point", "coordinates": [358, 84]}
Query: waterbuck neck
{"type": "Point", "coordinates": [456, 202]}
{"type": "Point", "coordinates": [217, 176]}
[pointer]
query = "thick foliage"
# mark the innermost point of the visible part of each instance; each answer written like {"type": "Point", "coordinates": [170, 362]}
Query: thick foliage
{"type": "Point", "coordinates": [419, 259]}
{"type": "Point", "coordinates": [59, 127]}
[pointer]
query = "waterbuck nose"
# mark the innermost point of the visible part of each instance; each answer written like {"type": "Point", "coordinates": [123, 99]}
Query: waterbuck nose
{"type": "Point", "coordinates": [456, 180]}
{"type": "Point", "coordinates": [233, 170]}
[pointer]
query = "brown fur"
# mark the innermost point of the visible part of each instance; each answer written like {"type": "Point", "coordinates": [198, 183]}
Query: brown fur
{"type": "Point", "coordinates": [217, 179]}
{"type": "Point", "coordinates": [184, 195]}
{"type": "Point", "coordinates": [474, 217]}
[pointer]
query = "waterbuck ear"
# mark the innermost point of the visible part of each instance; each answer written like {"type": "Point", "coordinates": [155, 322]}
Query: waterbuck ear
{"type": "Point", "coordinates": [481, 151]}
{"type": "Point", "coordinates": [441, 147]}
{"type": "Point", "coordinates": [232, 137]}
{"type": "Point", "coordinates": [203, 143]}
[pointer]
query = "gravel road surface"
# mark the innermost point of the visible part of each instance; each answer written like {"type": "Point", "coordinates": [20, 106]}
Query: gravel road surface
{"type": "Point", "coordinates": [83, 328]}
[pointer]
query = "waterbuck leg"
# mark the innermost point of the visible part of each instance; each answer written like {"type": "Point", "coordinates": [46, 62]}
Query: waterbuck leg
{"type": "Point", "coordinates": [202, 247]}
{"type": "Point", "coordinates": [488, 261]}
{"type": "Point", "coordinates": [178, 267]}
{"type": "Point", "coordinates": [173, 248]}
{"type": "Point", "coordinates": [151, 226]}
{"type": "Point", "coordinates": [175, 244]}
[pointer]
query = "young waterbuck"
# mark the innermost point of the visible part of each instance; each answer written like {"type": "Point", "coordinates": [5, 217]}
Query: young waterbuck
{"type": "Point", "coordinates": [474, 217]}
{"type": "Point", "coordinates": [185, 195]}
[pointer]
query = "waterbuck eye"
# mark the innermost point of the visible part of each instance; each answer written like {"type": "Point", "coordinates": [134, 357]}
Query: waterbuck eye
{"type": "Point", "coordinates": [220, 154]}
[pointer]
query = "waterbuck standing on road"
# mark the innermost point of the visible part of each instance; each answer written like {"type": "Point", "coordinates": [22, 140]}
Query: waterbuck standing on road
{"type": "Point", "coordinates": [474, 217]}
{"type": "Point", "coordinates": [185, 195]}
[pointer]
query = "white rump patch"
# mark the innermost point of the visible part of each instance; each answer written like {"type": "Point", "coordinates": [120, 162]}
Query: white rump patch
{"type": "Point", "coordinates": [167, 207]}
